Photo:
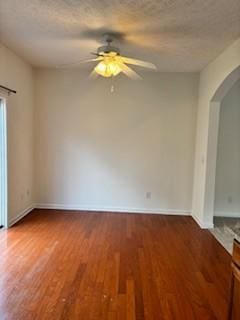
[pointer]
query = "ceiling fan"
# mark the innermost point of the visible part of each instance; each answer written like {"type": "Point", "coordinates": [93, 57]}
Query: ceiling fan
{"type": "Point", "coordinates": [111, 62]}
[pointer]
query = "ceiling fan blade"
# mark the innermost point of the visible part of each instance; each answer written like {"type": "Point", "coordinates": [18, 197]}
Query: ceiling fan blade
{"type": "Point", "coordinates": [140, 63]}
{"type": "Point", "coordinates": [68, 65]}
{"type": "Point", "coordinates": [129, 72]}
{"type": "Point", "coordinates": [93, 75]}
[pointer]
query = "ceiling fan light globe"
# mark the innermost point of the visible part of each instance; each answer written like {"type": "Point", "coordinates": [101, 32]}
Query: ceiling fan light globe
{"type": "Point", "coordinates": [103, 70]}
{"type": "Point", "coordinates": [101, 67]}
{"type": "Point", "coordinates": [108, 68]}
{"type": "Point", "coordinates": [114, 68]}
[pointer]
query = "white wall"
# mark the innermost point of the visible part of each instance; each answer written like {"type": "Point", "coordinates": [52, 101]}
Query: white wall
{"type": "Point", "coordinates": [17, 74]}
{"type": "Point", "coordinates": [99, 150]}
{"type": "Point", "coordinates": [210, 80]}
{"type": "Point", "coordinates": [139, 139]}
{"type": "Point", "coordinates": [227, 192]}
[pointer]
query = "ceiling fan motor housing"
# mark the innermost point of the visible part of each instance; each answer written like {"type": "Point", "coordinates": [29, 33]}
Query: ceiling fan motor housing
{"type": "Point", "coordinates": [108, 49]}
{"type": "Point", "coordinates": [109, 38]}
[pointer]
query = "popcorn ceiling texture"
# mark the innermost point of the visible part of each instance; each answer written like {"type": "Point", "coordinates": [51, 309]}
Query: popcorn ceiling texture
{"type": "Point", "coordinates": [177, 35]}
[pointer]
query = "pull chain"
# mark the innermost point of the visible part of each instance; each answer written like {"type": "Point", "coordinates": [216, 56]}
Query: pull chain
{"type": "Point", "coordinates": [112, 86]}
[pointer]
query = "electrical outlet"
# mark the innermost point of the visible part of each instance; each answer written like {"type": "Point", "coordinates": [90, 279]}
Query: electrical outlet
{"type": "Point", "coordinates": [148, 195]}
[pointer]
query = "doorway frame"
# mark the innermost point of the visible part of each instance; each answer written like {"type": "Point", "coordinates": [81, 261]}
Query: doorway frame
{"type": "Point", "coordinates": [3, 162]}
{"type": "Point", "coordinates": [213, 129]}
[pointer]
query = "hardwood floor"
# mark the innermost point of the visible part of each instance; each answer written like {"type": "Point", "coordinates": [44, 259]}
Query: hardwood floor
{"type": "Point", "coordinates": [69, 265]}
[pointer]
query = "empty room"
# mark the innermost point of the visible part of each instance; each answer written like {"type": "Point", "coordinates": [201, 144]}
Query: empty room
{"type": "Point", "coordinates": [119, 160]}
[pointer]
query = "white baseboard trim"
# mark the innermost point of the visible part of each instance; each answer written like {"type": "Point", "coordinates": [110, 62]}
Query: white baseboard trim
{"type": "Point", "coordinates": [203, 224]}
{"type": "Point", "coordinates": [55, 206]}
{"type": "Point", "coordinates": [111, 209]}
{"type": "Point", "coordinates": [227, 214]}
{"type": "Point", "coordinates": [20, 215]}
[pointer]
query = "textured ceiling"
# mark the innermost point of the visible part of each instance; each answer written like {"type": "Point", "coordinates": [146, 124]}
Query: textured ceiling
{"type": "Point", "coordinates": [176, 35]}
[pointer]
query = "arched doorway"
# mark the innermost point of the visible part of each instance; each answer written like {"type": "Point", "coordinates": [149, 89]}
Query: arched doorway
{"type": "Point", "coordinates": [213, 126]}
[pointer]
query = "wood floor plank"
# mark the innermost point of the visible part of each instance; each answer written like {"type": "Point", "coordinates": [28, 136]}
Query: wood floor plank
{"type": "Point", "coordinates": [58, 265]}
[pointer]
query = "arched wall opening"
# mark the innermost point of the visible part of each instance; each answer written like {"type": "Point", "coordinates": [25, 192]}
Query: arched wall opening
{"type": "Point", "coordinates": [213, 127]}
{"type": "Point", "coordinates": [227, 183]}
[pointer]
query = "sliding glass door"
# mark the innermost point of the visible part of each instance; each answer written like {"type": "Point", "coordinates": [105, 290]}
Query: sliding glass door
{"type": "Point", "coordinates": [3, 164]}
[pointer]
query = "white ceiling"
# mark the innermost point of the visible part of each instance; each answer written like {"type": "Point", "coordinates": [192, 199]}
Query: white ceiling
{"type": "Point", "coordinates": [176, 35]}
